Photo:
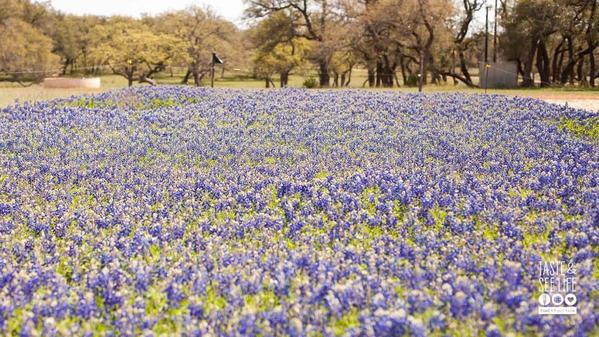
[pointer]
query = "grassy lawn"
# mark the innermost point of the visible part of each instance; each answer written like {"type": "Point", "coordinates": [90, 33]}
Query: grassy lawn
{"type": "Point", "coordinates": [10, 92]}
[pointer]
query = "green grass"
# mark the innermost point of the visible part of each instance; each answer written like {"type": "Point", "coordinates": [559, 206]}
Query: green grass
{"type": "Point", "coordinates": [10, 92]}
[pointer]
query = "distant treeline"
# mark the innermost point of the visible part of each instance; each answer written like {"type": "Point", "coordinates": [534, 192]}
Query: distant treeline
{"type": "Point", "coordinates": [553, 42]}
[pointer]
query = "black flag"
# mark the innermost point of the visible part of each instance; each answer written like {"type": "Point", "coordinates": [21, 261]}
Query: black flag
{"type": "Point", "coordinates": [216, 59]}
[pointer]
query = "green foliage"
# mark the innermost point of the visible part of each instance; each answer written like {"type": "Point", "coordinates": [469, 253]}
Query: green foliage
{"type": "Point", "coordinates": [65, 269]}
{"type": "Point", "coordinates": [349, 320]}
{"type": "Point", "coordinates": [412, 80]}
{"type": "Point", "coordinates": [528, 19]}
{"type": "Point", "coordinates": [13, 325]}
{"type": "Point", "coordinates": [99, 300]}
{"type": "Point", "coordinates": [531, 236]}
{"type": "Point", "coordinates": [399, 210]}
{"type": "Point", "coordinates": [588, 128]}
{"type": "Point", "coordinates": [155, 252]}
{"type": "Point", "coordinates": [72, 40]}
{"type": "Point", "coordinates": [213, 301]}
{"type": "Point", "coordinates": [99, 329]}
{"type": "Point", "coordinates": [438, 214]}
{"type": "Point", "coordinates": [367, 194]}
{"type": "Point", "coordinates": [156, 301]}
{"type": "Point", "coordinates": [165, 327]}
{"type": "Point", "coordinates": [157, 103]}
{"type": "Point", "coordinates": [281, 59]}
{"type": "Point", "coordinates": [26, 54]}
{"type": "Point", "coordinates": [200, 33]}
{"type": "Point", "coordinates": [342, 62]}
{"type": "Point", "coordinates": [278, 49]}
{"type": "Point", "coordinates": [134, 51]}
{"type": "Point", "coordinates": [83, 102]}
{"type": "Point", "coordinates": [262, 301]}
{"type": "Point", "coordinates": [310, 83]}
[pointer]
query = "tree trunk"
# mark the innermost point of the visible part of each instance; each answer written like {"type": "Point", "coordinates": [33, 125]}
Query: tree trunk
{"type": "Point", "coordinates": [196, 79]}
{"type": "Point", "coordinates": [325, 78]}
{"type": "Point", "coordinates": [555, 61]}
{"type": "Point", "coordinates": [371, 79]}
{"type": "Point", "coordinates": [592, 70]}
{"type": "Point", "coordinates": [528, 80]}
{"type": "Point", "coordinates": [195, 74]}
{"type": "Point", "coordinates": [455, 82]}
{"type": "Point", "coordinates": [543, 64]}
{"type": "Point", "coordinates": [580, 76]}
{"type": "Point", "coordinates": [66, 64]}
{"type": "Point", "coordinates": [130, 80]}
{"type": "Point", "coordinates": [457, 77]}
{"type": "Point", "coordinates": [424, 67]}
{"type": "Point", "coordinates": [568, 72]}
{"type": "Point", "coordinates": [560, 64]}
{"type": "Point", "coordinates": [145, 79]}
{"type": "Point", "coordinates": [421, 73]}
{"type": "Point", "coordinates": [346, 84]}
{"type": "Point", "coordinates": [186, 77]}
{"type": "Point", "coordinates": [388, 71]}
{"type": "Point", "coordinates": [464, 67]}
{"type": "Point", "coordinates": [519, 67]}
{"type": "Point", "coordinates": [591, 39]}
{"type": "Point", "coordinates": [402, 64]}
{"type": "Point", "coordinates": [435, 77]}
{"type": "Point", "coordinates": [591, 43]}
{"type": "Point", "coordinates": [390, 76]}
{"type": "Point", "coordinates": [379, 71]}
{"type": "Point", "coordinates": [396, 80]}
{"type": "Point", "coordinates": [284, 79]}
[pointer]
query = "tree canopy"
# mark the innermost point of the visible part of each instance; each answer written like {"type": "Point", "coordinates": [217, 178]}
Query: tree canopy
{"type": "Point", "coordinates": [26, 52]}
{"type": "Point", "coordinates": [553, 42]}
{"type": "Point", "coordinates": [135, 52]}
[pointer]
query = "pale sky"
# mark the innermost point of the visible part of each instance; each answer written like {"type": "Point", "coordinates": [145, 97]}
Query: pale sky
{"type": "Point", "coordinates": [229, 9]}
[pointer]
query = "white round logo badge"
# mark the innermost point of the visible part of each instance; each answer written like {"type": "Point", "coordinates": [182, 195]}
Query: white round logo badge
{"type": "Point", "coordinates": [557, 299]}
{"type": "Point", "coordinates": [544, 299]}
{"type": "Point", "coordinates": [570, 299]}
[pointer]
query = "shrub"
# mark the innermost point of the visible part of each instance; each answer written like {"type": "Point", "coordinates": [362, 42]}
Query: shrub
{"type": "Point", "coordinates": [412, 80]}
{"type": "Point", "coordinates": [310, 83]}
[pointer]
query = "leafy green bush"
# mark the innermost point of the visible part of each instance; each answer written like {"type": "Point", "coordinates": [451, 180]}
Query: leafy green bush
{"type": "Point", "coordinates": [412, 80]}
{"type": "Point", "coordinates": [310, 83]}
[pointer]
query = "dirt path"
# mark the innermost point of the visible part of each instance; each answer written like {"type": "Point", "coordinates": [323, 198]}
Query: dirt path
{"type": "Point", "coordinates": [564, 96]}
{"type": "Point", "coordinates": [586, 100]}
{"type": "Point", "coordinates": [587, 104]}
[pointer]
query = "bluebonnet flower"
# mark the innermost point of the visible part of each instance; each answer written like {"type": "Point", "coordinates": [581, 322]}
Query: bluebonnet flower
{"type": "Point", "coordinates": [232, 212]}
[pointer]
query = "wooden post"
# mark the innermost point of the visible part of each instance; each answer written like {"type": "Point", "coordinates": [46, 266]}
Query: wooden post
{"type": "Point", "coordinates": [487, 66]}
{"type": "Point", "coordinates": [421, 72]}
{"type": "Point", "coordinates": [212, 72]}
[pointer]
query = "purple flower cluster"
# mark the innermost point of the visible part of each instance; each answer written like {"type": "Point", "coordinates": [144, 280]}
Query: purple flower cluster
{"type": "Point", "coordinates": [192, 212]}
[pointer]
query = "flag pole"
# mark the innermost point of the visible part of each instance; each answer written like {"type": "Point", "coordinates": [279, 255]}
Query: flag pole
{"type": "Point", "coordinates": [212, 72]}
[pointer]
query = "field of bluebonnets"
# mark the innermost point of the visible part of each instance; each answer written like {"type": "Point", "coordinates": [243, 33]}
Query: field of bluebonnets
{"type": "Point", "coordinates": [174, 211]}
